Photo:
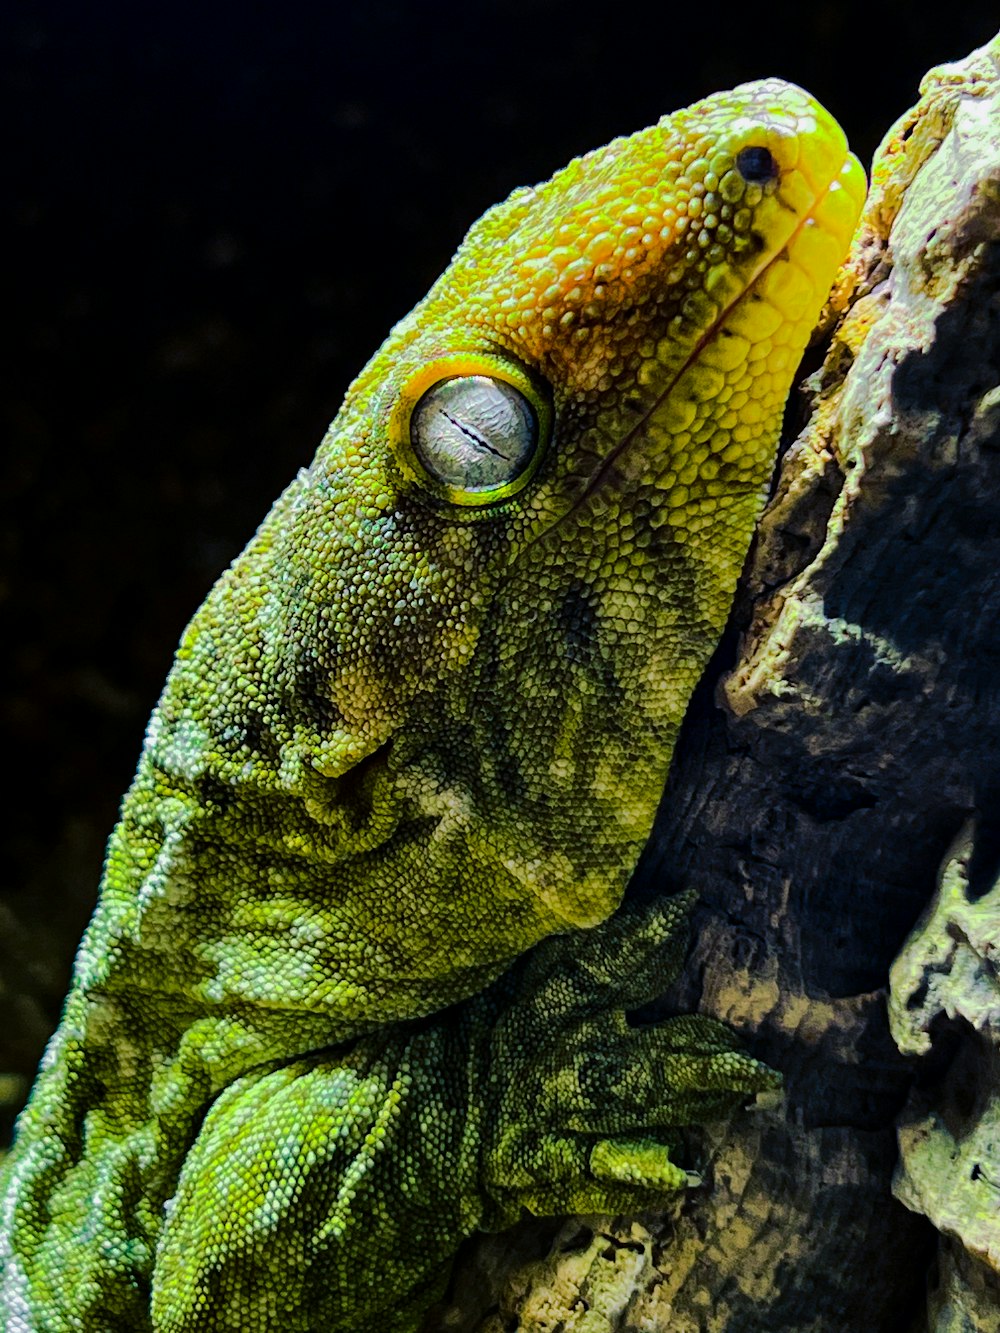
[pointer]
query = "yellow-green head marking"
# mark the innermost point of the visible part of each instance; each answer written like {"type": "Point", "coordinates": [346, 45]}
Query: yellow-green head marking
{"type": "Point", "coordinates": [444, 682]}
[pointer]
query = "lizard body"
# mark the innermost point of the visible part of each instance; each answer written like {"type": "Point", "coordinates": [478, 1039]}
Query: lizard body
{"type": "Point", "coordinates": [316, 1032]}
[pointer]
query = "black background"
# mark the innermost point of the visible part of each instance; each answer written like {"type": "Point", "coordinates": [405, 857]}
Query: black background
{"type": "Point", "coordinates": [212, 215]}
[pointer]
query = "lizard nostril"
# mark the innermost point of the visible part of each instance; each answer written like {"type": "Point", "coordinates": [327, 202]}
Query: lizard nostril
{"type": "Point", "coordinates": [756, 165]}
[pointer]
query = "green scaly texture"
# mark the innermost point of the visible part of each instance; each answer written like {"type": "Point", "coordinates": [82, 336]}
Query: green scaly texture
{"type": "Point", "coordinates": [317, 1033]}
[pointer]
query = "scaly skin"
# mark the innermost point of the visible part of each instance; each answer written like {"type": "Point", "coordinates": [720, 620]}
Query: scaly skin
{"type": "Point", "coordinates": [414, 730]}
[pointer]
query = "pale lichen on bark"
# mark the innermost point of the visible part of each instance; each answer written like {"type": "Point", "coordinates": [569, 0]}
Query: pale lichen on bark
{"type": "Point", "coordinates": [944, 984]}
{"type": "Point", "coordinates": [860, 742]}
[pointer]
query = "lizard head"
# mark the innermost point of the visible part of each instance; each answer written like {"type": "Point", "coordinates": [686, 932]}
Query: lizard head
{"type": "Point", "coordinates": [471, 628]}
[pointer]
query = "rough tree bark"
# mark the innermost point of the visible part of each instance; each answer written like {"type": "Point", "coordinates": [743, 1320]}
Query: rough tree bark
{"type": "Point", "coordinates": [837, 813]}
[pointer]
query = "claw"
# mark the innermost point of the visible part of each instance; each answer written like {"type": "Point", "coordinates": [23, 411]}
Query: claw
{"type": "Point", "coordinates": [638, 1162]}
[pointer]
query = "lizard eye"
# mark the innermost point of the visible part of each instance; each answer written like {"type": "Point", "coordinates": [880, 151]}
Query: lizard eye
{"type": "Point", "coordinates": [475, 434]}
{"type": "Point", "coordinates": [756, 165]}
{"type": "Point", "coordinates": [471, 429]}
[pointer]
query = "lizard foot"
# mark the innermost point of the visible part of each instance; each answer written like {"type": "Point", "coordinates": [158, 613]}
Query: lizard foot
{"type": "Point", "coordinates": [588, 1105]}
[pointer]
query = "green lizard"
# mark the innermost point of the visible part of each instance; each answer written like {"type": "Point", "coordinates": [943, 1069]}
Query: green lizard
{"type": "Point", "coordinates": [316, 1033]}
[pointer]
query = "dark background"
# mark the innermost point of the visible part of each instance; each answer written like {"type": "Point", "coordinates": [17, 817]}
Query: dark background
{"type": "Point", "coordinates": [211, 217]}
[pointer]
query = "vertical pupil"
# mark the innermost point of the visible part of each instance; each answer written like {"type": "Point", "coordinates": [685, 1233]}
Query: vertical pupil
{"type": "Point", "coordinates": [474, 433]}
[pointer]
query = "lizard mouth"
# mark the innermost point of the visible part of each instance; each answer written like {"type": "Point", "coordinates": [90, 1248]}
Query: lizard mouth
{"type": "Point", "coordinates": [760, 290]}
{"type": "Point", "coordinates": [774, 309]}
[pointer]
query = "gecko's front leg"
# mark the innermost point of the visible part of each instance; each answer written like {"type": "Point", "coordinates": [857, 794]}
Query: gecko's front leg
{"type": "Point", "coordinates": [330, 1193]}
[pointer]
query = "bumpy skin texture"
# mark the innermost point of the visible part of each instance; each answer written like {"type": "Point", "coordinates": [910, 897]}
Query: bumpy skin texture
{"type": "Point", "coordinates": [411, 733]}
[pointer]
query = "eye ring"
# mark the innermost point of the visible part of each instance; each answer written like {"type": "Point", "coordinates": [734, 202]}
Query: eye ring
{"type": "Point", "coordinates": [757, 165]}
{"type": "Point", "coordinates": [474, 433]}
{"type": "Point", "coordinates": [472, 429]}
